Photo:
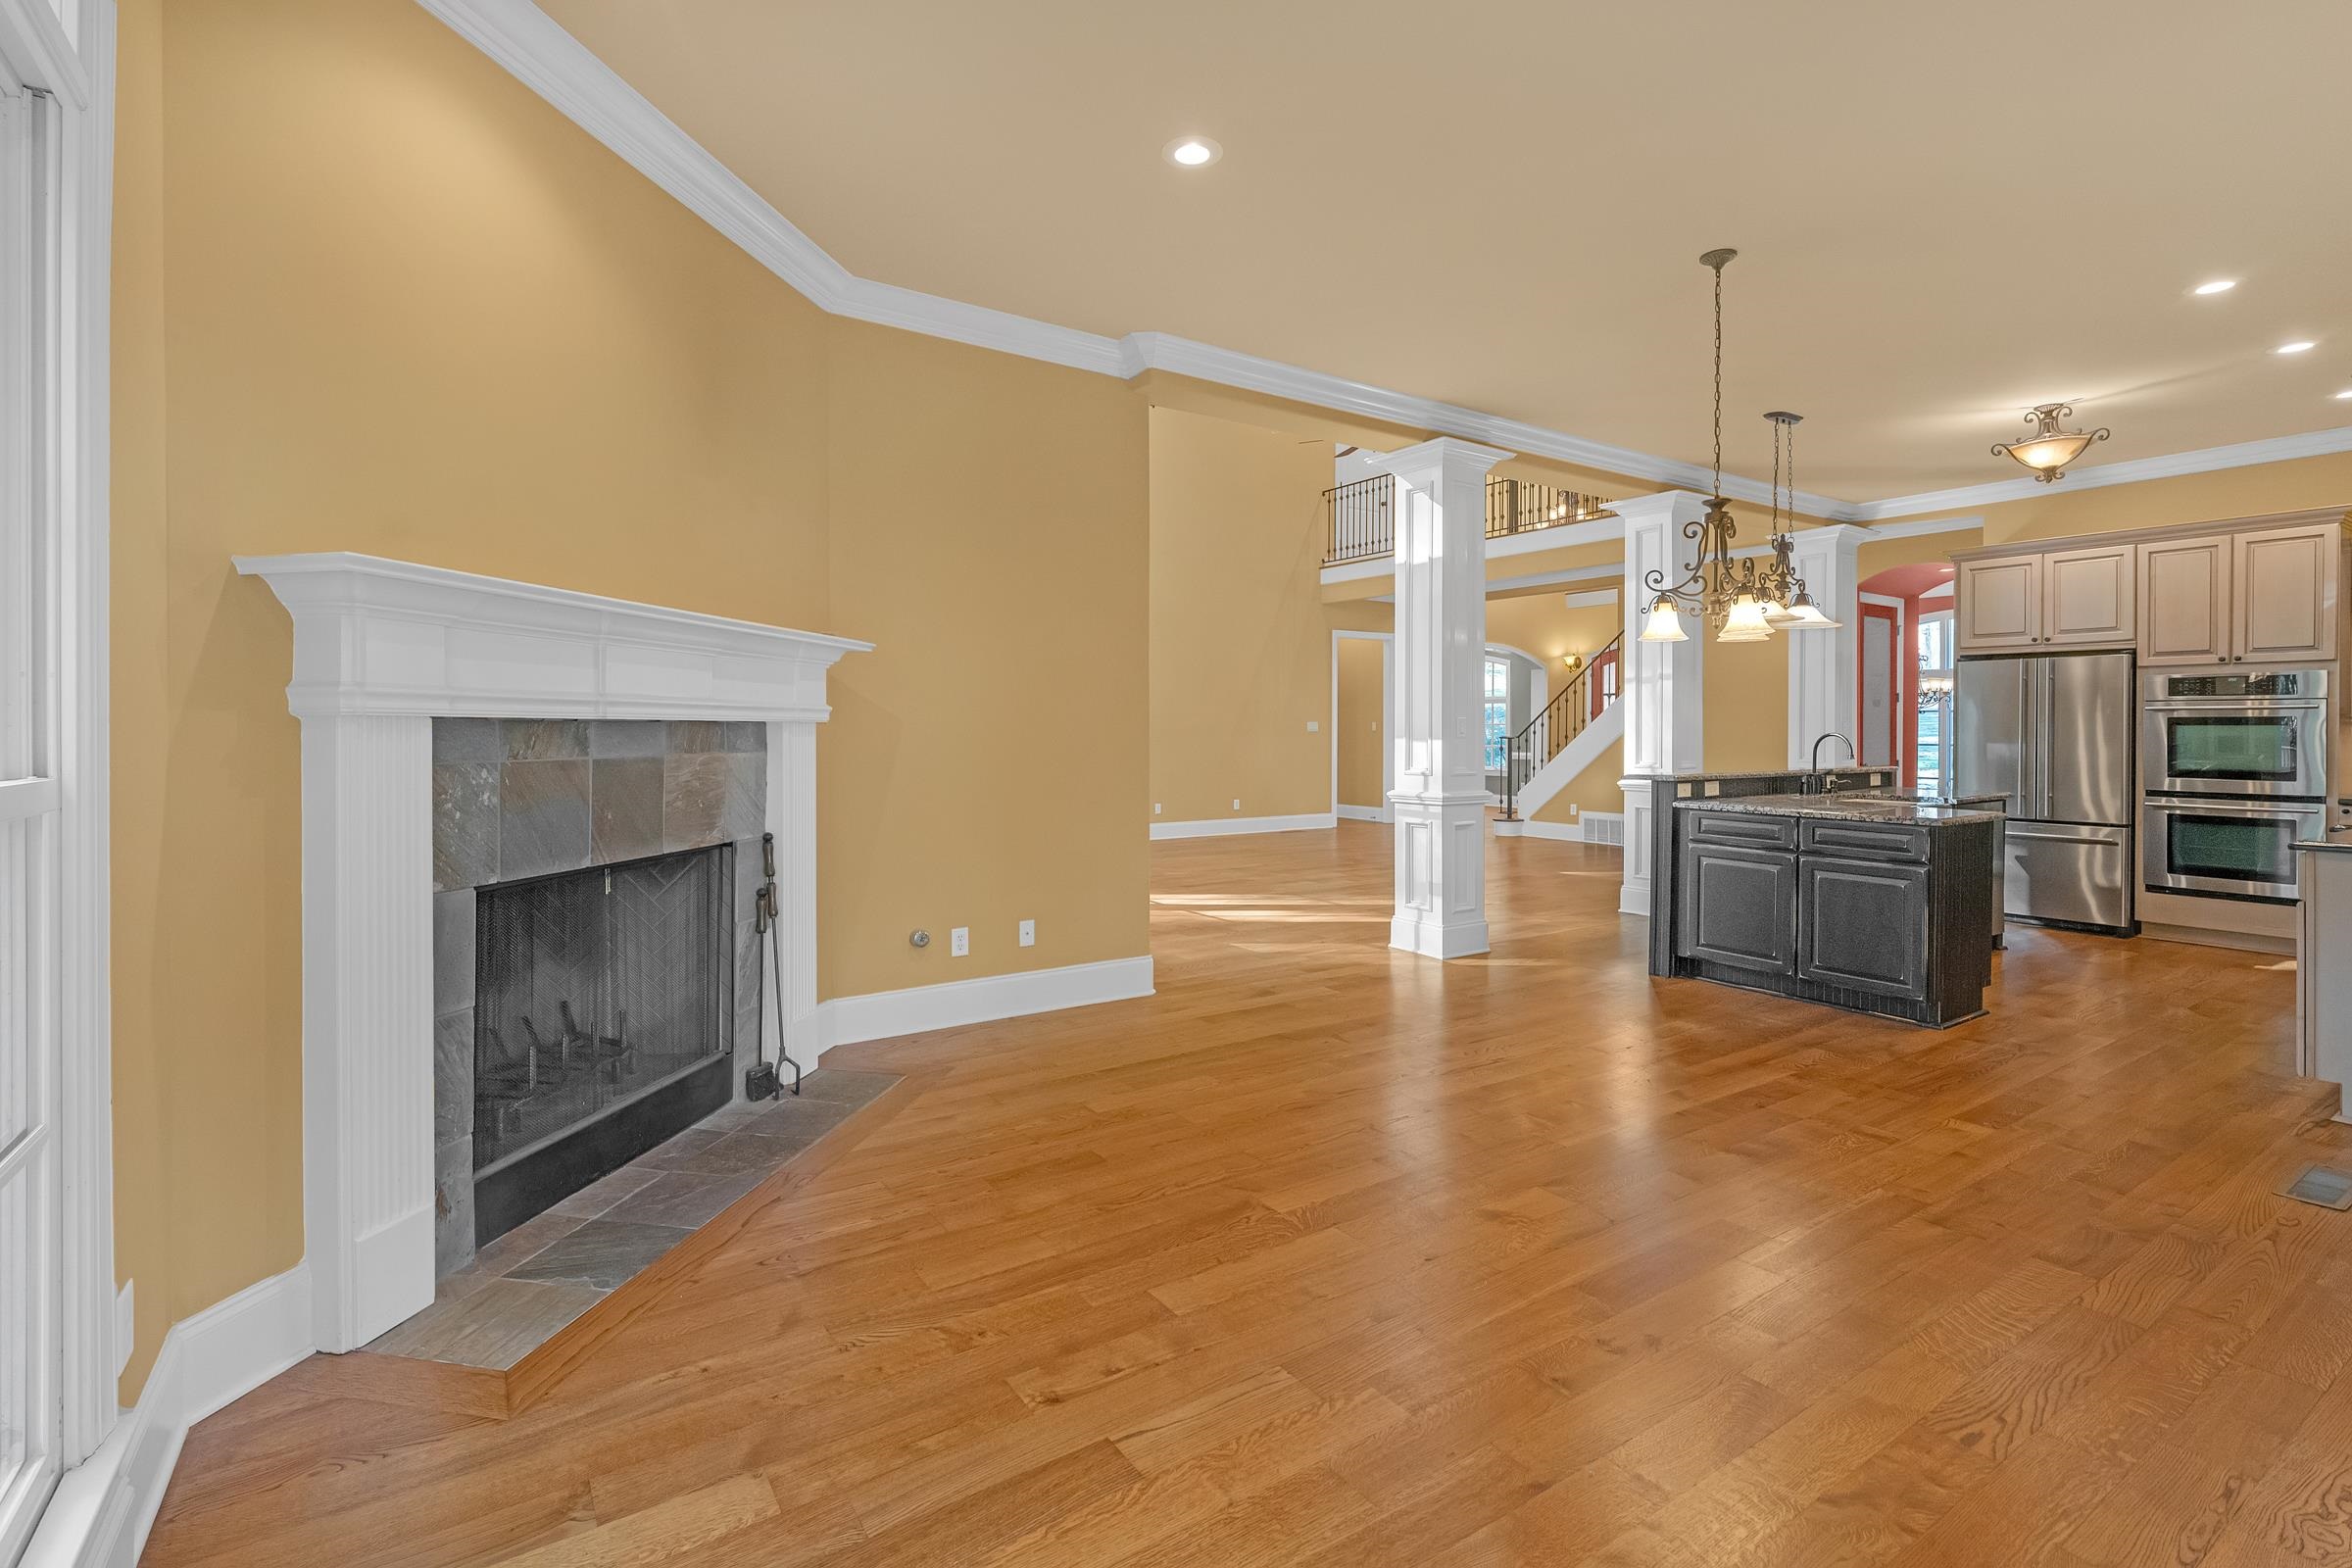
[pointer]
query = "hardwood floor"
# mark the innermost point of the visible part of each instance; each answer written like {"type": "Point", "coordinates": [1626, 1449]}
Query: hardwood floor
{"type": "Point", "coordinates": [1329, 1255]}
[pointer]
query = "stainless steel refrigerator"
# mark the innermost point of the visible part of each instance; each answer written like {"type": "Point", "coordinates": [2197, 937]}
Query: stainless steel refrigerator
{"type": "Point", "coordinates": [2053, 734]}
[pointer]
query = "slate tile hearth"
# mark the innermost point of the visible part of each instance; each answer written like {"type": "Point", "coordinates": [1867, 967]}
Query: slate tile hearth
{"type": "Point", "coordinates": [531, 1283]}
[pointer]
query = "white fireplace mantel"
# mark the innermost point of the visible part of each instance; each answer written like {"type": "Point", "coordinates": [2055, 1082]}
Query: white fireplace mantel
{"type": "Point", "coordinates": [381, 648]}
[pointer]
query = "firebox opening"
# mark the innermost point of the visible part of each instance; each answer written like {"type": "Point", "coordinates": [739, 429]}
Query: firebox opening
{"type": "Point", "coordinates": [604, 1020]}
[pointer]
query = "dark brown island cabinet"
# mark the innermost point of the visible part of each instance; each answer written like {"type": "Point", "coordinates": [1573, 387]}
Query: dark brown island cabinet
{"type": "Point", "coordinates": [1873, 906]}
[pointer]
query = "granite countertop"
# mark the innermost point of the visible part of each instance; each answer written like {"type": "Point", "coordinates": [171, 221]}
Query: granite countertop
{"type": "Point", "coordinates": [1851, 808]}
{"type": "Point", "coordinates": [1769, 772]}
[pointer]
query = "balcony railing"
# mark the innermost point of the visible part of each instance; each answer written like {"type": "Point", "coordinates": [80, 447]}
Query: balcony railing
{"type": "Point", "coordinates": [1361, 517]}
{"type": "Point", "coordinates": [1362, 520]}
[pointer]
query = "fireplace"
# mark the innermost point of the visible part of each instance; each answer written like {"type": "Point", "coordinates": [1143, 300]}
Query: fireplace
{"type": "Point", "coordinates": [631, 732]}
{"type": "Point", "coordinates": [603, 1022]}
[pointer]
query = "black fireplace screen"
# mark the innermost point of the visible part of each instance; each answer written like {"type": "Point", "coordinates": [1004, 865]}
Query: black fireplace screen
{"type": "Point", "coordinates": [593, 989]}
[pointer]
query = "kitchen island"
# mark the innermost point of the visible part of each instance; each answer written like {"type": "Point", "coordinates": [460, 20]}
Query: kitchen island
{"type": "Point", "coordinates": [1871, 904]}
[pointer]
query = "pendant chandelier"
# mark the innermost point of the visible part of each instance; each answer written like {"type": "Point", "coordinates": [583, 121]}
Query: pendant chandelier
{"type": "Point", "coordinates": [2050, 448]}
{"type": "Point", "coordinates": [1745, 599]}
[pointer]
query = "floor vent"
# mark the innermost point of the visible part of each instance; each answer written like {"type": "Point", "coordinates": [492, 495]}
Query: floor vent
{"type": "Point", "coordinates": [1604, 827]}
{"type": "Point", "coordinates": [2330, 1188]}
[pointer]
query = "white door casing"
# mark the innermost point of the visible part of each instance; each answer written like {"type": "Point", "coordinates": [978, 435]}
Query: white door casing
{"type": "Point", "coordinates": [57, 1347]}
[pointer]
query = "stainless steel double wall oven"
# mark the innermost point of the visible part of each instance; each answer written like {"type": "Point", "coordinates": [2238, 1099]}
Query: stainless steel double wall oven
{"type": "Point", "coordinates": [2235, 763]}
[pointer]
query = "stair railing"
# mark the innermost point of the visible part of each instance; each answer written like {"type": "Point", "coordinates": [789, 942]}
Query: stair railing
{"type": "Point", "coordinates": [1563, 718]}
{"type": "Point", "coordinates": [1360, 519]}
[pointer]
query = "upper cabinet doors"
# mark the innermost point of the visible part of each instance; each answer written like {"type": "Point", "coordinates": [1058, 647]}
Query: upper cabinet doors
{"type": "Point", "coordinates": [2239, 598]}
{"type": "Point", "coordinates": [2185, 601]}
{"type": "Point", "coordinates": [2086, 597]}
{"type": "Point", "coordinates": [2064, 599]}
{"type": "Point", "coordinates": [2000, 604]}
{"type": "Point", "coordinates": [2285, 599]}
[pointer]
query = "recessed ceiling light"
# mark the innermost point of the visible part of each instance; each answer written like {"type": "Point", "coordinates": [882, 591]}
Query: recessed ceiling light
{"type": "Point", "coordinates": [2344, 396]}
{"type": "Point", "coordinates": [2220, 285]}
{"type": "Point", "coordinates": [2296, 347]}
{"type": "Point", "coordinates": [1192, 152]}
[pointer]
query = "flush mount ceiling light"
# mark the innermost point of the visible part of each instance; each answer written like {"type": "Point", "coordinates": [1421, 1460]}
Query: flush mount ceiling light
{"type": "Point", "coordinates": [2050, 448]}
{"type": "Point", "coordinates": [2344, 395]}
{"type": "Point", "coordinates": [2220, 285]}
{"type": "Point", "coordinates": [1746, 601]}
{"type": "Point", "coordinates": [2299, 346]}
{"type": "Point", "coordinates": [1192, 152]}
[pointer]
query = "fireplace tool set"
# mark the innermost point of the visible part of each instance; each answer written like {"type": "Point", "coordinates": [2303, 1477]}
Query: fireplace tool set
{"type": "Point", "coordinates": [761, 1082]}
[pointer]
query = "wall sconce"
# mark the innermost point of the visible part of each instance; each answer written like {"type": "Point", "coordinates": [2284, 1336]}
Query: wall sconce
{"type": "Point", "coordinates": [1574, 661]}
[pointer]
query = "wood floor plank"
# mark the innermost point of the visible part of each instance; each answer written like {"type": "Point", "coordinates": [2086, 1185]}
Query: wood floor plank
{"type": "Point", "coordinates": [1326, 1254]}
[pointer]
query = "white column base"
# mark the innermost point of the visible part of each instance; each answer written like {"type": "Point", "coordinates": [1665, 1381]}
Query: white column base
{"type": "Point", "coordinates": [1441, 875]}
{"type": "Point", "coordinates": [1640, 828]}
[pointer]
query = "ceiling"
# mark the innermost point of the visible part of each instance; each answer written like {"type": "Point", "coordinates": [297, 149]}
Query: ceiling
{"type": "Point", "coordinates": [1944, 213]}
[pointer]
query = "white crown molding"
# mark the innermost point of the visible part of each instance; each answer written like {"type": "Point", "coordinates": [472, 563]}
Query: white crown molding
{"type": "Point", "coordinates": [2164, 465]}
{"type": "Point", "coordinates": [551, 63]}
{"type": "Point", "coordinates": [538, 52]}
{"type": "Point", "coordinates": [1881, 533]}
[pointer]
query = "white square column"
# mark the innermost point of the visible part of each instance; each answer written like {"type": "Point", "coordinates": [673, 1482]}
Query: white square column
{"type": "Point", "coordinates": [1439, 801]}
{"type": "Point", "coordinates": [1658, 684]}
{"type": "Point", "coordinates": [1824, 666]}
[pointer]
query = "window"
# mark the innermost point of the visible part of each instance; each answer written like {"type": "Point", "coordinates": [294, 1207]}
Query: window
{"type": "Point", "coordinates": [1934, 722]}
{"type": "Point", "coordinates": [1498, 711]}
{"type": "Point", "coordinates": [1935, 645]}
{"type": "Point", "coordinates": [31, 1357]}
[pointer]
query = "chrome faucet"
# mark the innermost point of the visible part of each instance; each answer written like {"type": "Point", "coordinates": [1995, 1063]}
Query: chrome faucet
{"type": "Point", "coordinates": [1829, 781]}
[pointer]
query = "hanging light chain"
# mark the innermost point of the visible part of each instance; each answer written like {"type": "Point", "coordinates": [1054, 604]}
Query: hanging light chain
{"type": "Point", "coordinates": [1719, 266]}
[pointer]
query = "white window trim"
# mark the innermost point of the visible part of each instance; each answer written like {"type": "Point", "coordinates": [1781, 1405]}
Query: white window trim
{"type": "Point", "coordinates": [77, 72]}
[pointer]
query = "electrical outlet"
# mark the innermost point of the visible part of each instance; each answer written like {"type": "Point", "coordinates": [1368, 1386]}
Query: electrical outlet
{"type": "Point", "coordinates": [1154, 808]}
{"type": "Point", "coordinates": [1572, 811]}
{"type": "Point", "coordinates": [1237, 805]}
{"type": "Point", "coordinates": [1314, 726]}
{"type": "Point", "coordinates": [1028, 933]}
{"type": "Point", "coordinates": [959, 942]}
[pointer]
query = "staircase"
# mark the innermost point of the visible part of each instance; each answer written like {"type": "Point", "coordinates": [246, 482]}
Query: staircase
{"type": "Point", "coordinates": [1575, 728]}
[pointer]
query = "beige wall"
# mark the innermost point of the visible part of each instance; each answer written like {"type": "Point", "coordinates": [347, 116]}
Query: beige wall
{"type": "Point", "coordinates": [985, 764]}
{"type": "Point", "coordinates": [1362, 705]}
{"type": "Point", "coordinates": [373, 294]}
{"type": "Point", "coordinates": [1241, 649]}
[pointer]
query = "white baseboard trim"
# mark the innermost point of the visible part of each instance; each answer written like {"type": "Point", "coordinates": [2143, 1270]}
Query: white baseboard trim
{"type": "Point", "coordinates": [103, 1509]}
{"type": "Point", "coordinates": [887, 1014]}
{"type": "Point", "coordinates": [1219, 827]}
{"type": "Point", "coordinates": [1573, 832]}
{"type": "Point", "coordinates": [1364, 813]}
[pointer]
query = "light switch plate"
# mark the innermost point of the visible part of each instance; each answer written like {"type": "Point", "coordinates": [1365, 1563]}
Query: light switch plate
{"type": "Point", "coordinates": [1028, 933]}
{"type": "Point", "coordinates": [1314, 726]}
{"type": "Point", "coordinates": [959, 942]}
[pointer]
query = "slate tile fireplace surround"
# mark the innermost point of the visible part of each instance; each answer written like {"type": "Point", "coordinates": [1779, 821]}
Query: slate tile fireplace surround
{"type": "Point", "coordinates": [544, 1083]}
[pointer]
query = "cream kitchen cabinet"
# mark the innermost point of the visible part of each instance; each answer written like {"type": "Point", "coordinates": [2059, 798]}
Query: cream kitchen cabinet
{"type": "Point", "coordinates": [2261, 598]}
{"type": "Point", "coordinates": [2283, 599]}
{"type": "Point", "coordinates": [2087, 599]}
{"type": "Point", "coordinates": [1998, 604]}
{"type": "Point", "coordinates": [2185, 601]}
{"type": "Point", "coordinates": [2047, 599]}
